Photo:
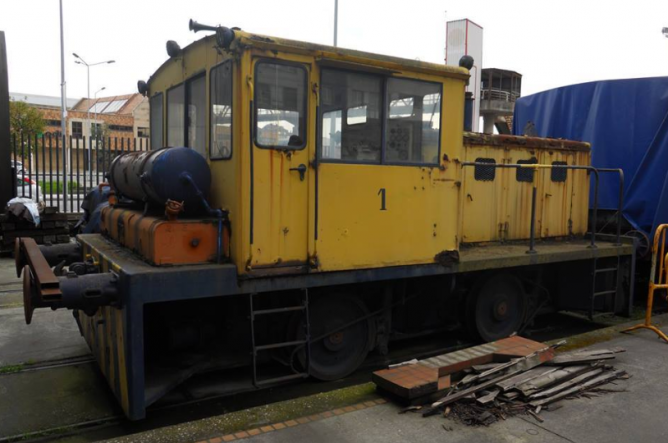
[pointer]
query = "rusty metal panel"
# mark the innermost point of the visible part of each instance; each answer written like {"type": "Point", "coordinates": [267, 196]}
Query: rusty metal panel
{"type": "Point", "coordinates": [483, 204]}
{"type": "Point", "coordinates": [500, 209]}
{"type": "Point", "coordinates": [517, 196]}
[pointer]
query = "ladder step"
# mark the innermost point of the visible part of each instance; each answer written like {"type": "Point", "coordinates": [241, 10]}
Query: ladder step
{"type": "Point", "coordinates": [280, 345]}
{"type": "Point", "coordinates": [605, 270]}
{"type": "Point", "coordinates": [612, 291]}
{"type": "Point", "coordinates": [281, 379]}
{"type": "Point", "coordinates": [278, 310]}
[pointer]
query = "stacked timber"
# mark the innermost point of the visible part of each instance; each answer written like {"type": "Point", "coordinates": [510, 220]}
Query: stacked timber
{"type": "Point", "coordinates": [53, 229]}
{"type": "Point", "coordinates": [481, 385]}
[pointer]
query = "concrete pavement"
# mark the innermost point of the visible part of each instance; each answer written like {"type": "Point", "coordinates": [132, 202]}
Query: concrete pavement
{"type": "Point", "coordinates": [51, 336]}
{"type": "Point", "coordinates": [637, 414]}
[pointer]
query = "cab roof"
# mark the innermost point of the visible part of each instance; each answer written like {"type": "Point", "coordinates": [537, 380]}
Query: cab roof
{"type": "Point", "coordinates": [354, 58]}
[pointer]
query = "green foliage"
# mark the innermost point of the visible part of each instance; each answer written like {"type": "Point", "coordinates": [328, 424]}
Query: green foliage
{"type": "Point", "coordinates": [99, 131]}
{"type": "Point", "coordinates": [24, 119]}
{"type": "Point", "coordinates": [10, 369]}
{"type": "Point", "coordinates": [53, 187]}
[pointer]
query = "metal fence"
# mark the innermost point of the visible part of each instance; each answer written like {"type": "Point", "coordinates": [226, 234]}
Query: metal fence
{"type": "Point", "coordinates": [57, 177]}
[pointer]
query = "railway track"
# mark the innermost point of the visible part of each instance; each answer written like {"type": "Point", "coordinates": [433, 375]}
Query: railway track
{"type": "Point", "coordinates": [193, 406]}
{"type": "Point", "coordinates": [50, 364]}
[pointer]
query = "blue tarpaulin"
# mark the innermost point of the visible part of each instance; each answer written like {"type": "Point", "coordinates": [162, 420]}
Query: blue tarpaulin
{"type": "Point", "coordinates": [626, 122]}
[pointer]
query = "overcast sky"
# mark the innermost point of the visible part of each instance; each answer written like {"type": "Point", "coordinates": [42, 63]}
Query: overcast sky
{"type": "Point", "coordinates": [552, 43]}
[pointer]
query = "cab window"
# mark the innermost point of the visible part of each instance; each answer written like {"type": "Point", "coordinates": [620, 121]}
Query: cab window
{"type": "Point", "coordinates": [221, 112]}
{"type": "Point", "coordinates": [196, 116]}
{"type": "Point", "coordinates": [280, 105]}
{"type": "Point", "coordinates": [413, 123]}
{"type": "Point", "coordinates": [351, 108]}
{"type": "Point", "coordinates": [369, 118]}
{"type": "Point", "coordinates": [156, 121]}
{"type": "Point", "coordinates": [176, 98]}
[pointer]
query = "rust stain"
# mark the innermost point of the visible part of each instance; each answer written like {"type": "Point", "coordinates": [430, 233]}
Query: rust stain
{"type": "Point", "coordinates": [506, 141]}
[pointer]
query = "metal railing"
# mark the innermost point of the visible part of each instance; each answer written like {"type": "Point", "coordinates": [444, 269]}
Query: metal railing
{"type": "Point", "coordinates": [499, 94]}
{"type": "Point", "coordinates": [589, 169]}
{"type": "Point", "coordinates": [40, 173]}
{"type": "Point", "coordinates": [658, 280]}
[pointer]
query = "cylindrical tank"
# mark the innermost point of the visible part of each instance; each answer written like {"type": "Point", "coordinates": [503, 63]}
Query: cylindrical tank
{"type": "Point", "coordinates": [155, 176]}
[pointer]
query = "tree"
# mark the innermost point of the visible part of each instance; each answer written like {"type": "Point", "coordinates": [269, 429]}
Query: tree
{"type": "Point", "coordinates": [24, 119]}
{"type": "Point", "coordinates": [99, 131]}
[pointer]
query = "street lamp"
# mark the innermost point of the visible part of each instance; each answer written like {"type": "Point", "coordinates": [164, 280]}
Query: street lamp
{"type": "Point", "coordinates": [81, 61]}
{"type": "Point", "coordinates": [95, 114]}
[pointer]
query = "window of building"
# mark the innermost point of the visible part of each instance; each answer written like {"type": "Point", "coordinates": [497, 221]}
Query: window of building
{"type": "Point", "coordinates": [176, 99]}
{"type": "Point", "coordinates": [525, 174]}
{"type": "Point", "coordinates": [77, 129]}
{"type": "Point", "coordinates": [558, 174]}
{"type": "Point", "coordinates": [142, 132]}
{"type": "Point", "coordinates": [413, 124]}
{"type": "Point", "coordinates": [351, 124]}
{"type": "Point", "coordinates": [485, 173]}
{"type": "Point", "coordinates": [156, 121]}
{"type": "Point", "coordinates": [221, 112]}
{"type": "Point", "coordinates": [120, 128]}
{"type": "Point", "coordinates": [280, 105]}
{"type": "Point", "coordinates": [196, 117]}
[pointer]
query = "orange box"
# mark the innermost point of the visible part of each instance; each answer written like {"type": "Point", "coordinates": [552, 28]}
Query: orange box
{"type": "Point", "coordinates": [164, 242]}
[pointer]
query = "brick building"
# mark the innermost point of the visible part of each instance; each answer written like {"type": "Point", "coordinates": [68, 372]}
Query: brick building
{"type": "Point", "coordinates": [126, 117]}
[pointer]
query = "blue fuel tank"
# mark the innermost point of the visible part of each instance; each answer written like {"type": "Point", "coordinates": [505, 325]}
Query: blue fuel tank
{"type": "Point", "coordinates": [156, 176]}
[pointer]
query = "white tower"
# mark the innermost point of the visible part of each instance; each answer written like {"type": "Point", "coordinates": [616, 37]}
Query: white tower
{"type": "Point", "coordinates": [463, 37]}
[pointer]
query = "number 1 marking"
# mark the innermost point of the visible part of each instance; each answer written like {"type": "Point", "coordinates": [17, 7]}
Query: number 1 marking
{"type": "Point", "coordinates": [381, 192]}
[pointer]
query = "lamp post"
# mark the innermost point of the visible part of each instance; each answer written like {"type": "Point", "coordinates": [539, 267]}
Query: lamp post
{"type": "Point", "coordinates": [81, 61]}
{"type": "Point", "coordinates": [336, 22]}
{"type": "Point", "coordinates": [95, 113]}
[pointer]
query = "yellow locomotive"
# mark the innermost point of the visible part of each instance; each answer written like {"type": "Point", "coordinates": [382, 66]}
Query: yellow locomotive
{"type": "Point", "coordinates": [305, 205]}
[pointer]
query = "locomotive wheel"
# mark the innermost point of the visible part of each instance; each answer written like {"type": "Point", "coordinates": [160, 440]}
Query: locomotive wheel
{"type": "Point", "coordinates": [497, 308]}
{"type": "Point", "coordinates": [340, 352]}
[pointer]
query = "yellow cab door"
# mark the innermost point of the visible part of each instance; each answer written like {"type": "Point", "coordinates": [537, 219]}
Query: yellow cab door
{"type": "Point", "coordinates": [380, 197]}
{"type": "Point", "coordinates": [281, 141]}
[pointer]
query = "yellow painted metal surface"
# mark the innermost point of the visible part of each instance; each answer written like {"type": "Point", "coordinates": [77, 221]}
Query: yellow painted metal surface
{"type": "Point", "coordinates": [280, 197]}
{"type": "Point", "coordinates": [104, 333]}
{"type": "Point", "coordinates": [500, 209]}
{"type": "Point", "coordinates": [333, 220]}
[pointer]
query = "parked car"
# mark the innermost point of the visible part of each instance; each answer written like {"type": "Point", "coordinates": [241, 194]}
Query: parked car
{"type": "Point", "coordinates": [19, 168]}
{"type": "Point", "coordinates": [28, 188]}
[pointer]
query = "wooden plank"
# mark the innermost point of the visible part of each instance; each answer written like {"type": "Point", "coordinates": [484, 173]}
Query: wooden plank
{"type": "Point", "coordinates": [488, 398]}
{"type": "Point", "coordinates": [519, 365]}
{"type": "Point", "coordinates": [550, 379]}
{"type": "Point", "coordinates": [578, 357]}
{"type": "Point", "coordinates": [522, 377]}
{"type": "Point", "coordinates": [600, 380]}
{"type": "Point", "coordinates": [568, 384]}
{"type": "Point", "coordinates": [485, 367]}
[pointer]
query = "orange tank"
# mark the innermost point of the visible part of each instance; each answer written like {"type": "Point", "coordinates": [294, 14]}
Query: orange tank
{"type": "Point", "coordinates": [161, 241]}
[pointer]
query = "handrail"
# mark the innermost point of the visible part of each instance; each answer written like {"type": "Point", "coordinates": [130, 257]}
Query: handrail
{"type": "Point", "coordinates": [499, 94]}
{"type": "Point", "coordinates": [589, 169]}
{"type": "Point", "coordinates": [658, 261]}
